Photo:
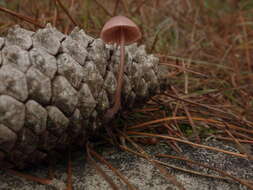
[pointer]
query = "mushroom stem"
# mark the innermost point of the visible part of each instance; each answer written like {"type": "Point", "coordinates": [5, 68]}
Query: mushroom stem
{"type": "Point", "coordinates": [117, 97]}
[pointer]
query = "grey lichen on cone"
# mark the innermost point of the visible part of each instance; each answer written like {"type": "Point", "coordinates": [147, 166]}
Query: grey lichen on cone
{"type": "Point", "coordinates": [55, 87]}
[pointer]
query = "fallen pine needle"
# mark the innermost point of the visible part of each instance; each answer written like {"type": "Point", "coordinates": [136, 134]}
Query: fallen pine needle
{"type": "Point", "coordinates": [43, 181]}
{"type": "Point", "coordinates": [187, 142]}
{"type": "Point", "coordinates": [243, 182]}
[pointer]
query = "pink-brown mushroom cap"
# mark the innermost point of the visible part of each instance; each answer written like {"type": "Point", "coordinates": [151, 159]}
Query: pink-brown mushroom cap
{"type": "Point", "coordinates": [111, 32]}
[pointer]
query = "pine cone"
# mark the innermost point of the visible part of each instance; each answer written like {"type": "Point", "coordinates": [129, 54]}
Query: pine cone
{"type": "Point", "coordinates": [55, 89]}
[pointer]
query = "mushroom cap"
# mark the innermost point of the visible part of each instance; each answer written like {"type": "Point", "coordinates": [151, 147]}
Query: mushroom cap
{"type": "Point", "coordinates": [112, 30]}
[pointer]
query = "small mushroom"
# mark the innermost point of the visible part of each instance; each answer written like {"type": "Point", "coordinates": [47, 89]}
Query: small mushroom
{"type": "Point", "coordinates": [122, 31]}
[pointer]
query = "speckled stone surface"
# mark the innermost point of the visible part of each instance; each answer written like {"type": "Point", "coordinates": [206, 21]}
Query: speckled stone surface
{"type": "Point", "coordinates": [141, 173]}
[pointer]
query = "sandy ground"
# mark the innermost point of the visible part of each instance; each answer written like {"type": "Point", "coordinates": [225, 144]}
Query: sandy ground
{"type": "Point", "coordinates": [140, 172]}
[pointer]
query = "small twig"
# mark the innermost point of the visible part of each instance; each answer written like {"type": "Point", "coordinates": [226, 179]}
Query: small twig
{"type": "Point", "coordinates": [186, 78]}
{"type": "Point", "coordinates": [125, 6]}
{"type": "Point", "coordinates": [154, 41]}
{"type": "Point", "coordinates": [66, 12]}
{"type": "Point", "coordinates": [115, 7]}
{"type": "Point", "coordinates": [55, 17]}
{"type": "Point", "coordinates": [156, 4]}
{"type": "Point", "coordinates": [104, 9]}
{"type": "Point", "coordinates": [245, 35]}
{"type": "Point", "coordinates": [22, 17]}
{"type": "Point", "coordinates": [137, 9]}
{"type": "Point", "coordinates": [70, 10]}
